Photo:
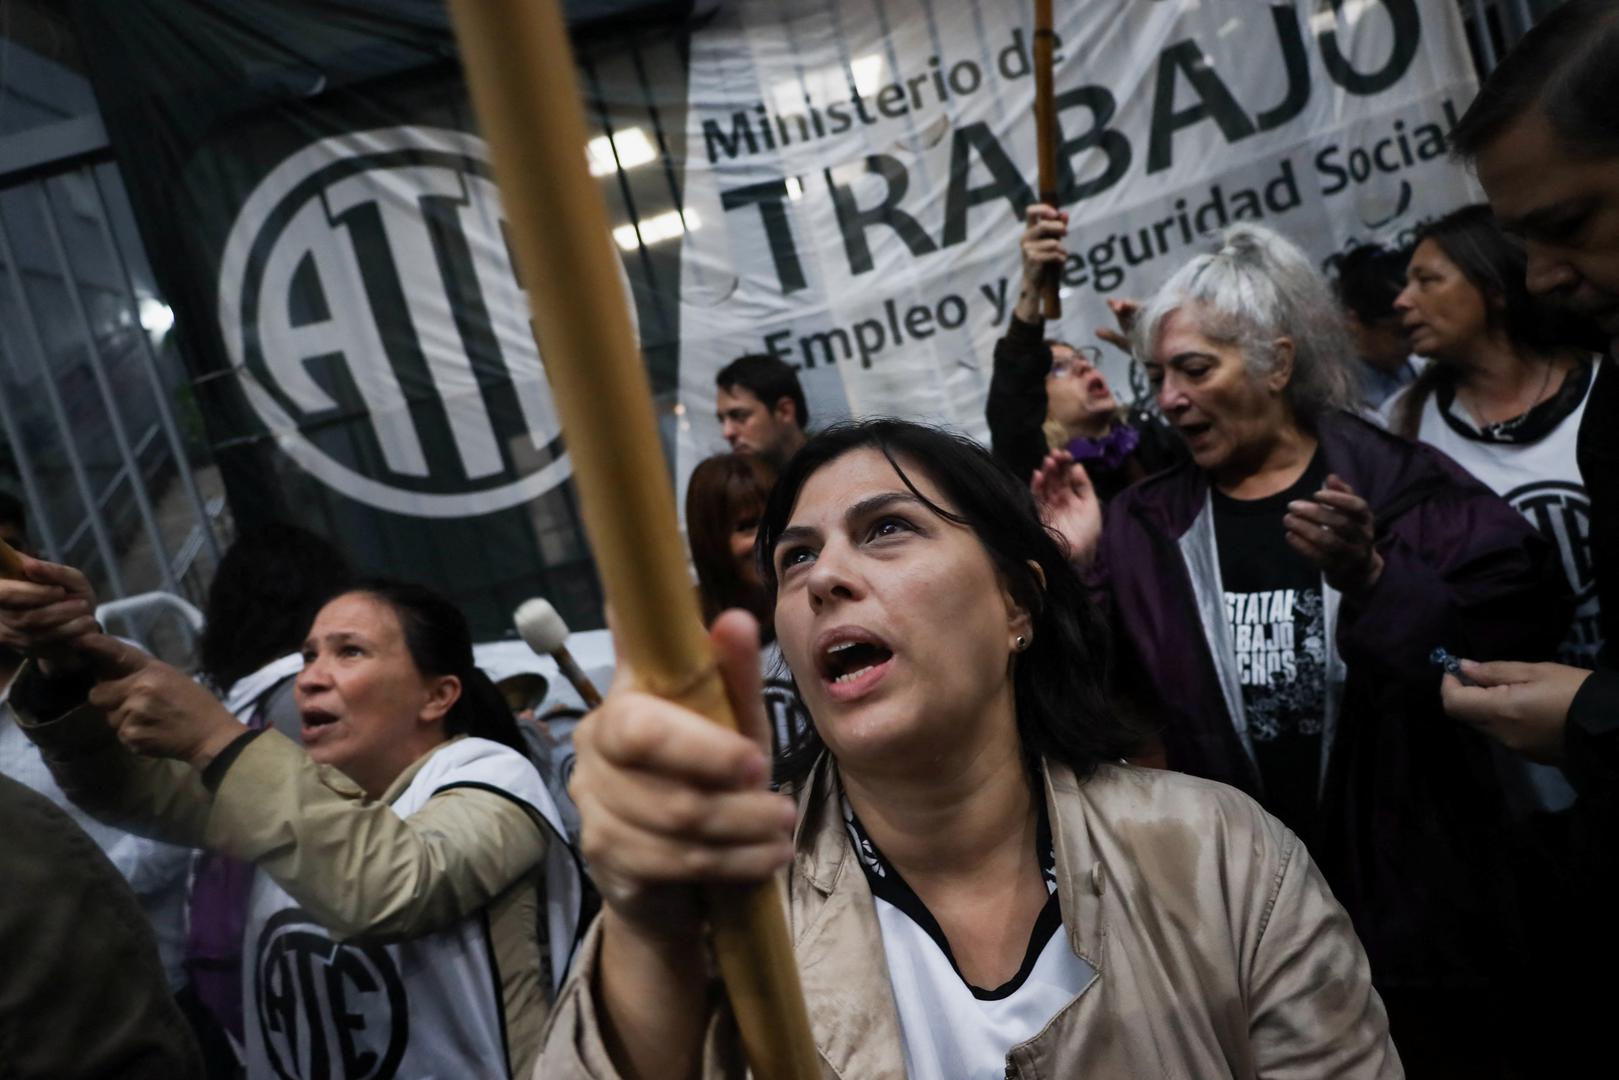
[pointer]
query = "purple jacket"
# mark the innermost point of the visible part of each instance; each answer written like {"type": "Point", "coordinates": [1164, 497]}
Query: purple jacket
{"type": "Point", "coordinates": [1412, 818]}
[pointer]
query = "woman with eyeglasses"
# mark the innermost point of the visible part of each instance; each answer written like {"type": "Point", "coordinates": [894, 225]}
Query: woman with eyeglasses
{"type": "Point", "coordinates": [1049, 395]}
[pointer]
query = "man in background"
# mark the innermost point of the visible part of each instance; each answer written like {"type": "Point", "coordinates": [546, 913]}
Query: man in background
{"type": "Point", "coordinates": [760, 407]}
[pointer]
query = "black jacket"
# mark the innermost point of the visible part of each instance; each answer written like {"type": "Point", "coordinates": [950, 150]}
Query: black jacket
{"type": "Point", "coordinates": [1017, 408]}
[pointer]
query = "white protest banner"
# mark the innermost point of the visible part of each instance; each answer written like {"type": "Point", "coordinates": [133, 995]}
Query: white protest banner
{"type": "Point", "coordinates": [856, 172]}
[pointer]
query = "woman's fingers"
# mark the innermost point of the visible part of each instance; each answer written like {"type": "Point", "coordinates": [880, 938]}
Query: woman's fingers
{"type": "Point", "coordinates": [1346, 501]}
{"type": "Point", "coordinates": [633, 854]}
{"type": "Point", "coordinates": [65, 577]}
{"type": "Point", "coordinates": [1124, 312]}
{"type": "Point", "coordinates": [643, 732]}
{"type": "Point", "coordinates": [1340, 523]}
{"type": "Point", "coordinates": [1035, 213]}
{"type": "Point", "coordinates": [19, 595]}
{"type": "Point", "coordinates": [682, 812]}
{"type": "Point", "coordinates": [51, 616]}
{"type": "Point", "coordinates": [735, 637]}
{"type": "Point", "coordinates": [1335, 545]}
{"type": "Point", "coordinates": [1114, 337]}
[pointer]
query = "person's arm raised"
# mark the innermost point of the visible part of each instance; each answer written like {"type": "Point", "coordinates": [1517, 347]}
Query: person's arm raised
{"type": "Point", "coordinates": [669, 801]}
{"type": "Point", "coordinates": [1069, 506]}
{"type": "Point", "coordinates": [1043, 251]}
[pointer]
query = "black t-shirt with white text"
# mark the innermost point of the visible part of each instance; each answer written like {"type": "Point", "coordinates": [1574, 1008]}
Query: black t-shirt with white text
{"type": "Point", "coordinates": [1274, 609]}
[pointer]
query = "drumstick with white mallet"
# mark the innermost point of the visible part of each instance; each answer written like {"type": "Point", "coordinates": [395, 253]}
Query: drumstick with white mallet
{"type": "Point", "coordinates": [546, 633]}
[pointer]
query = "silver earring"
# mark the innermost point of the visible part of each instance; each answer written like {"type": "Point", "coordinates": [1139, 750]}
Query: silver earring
{"type": "Point", "coordinates": [1020, 643]}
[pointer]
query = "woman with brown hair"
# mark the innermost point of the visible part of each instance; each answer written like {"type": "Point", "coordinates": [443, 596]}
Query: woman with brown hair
{"type": "Point", "coordinates": [724, 502]}
{"type": "Point", "coordinates": [724, 499]}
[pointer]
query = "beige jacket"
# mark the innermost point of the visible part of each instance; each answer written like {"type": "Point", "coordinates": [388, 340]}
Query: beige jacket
{"type": "Point", "coordinates": [1218, 948]}
{"type": "Point", "coordinates": [355, 865]}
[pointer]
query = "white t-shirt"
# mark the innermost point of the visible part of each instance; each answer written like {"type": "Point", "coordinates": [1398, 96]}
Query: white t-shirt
{"type": "Point", "coordinates": [1540, 477]}
{"type": "Point", "coordinates": [952, 1030]}
{"type": "Point", "coordinates": [785, 710]}
{"type": "Point", "coordinates": [1530, 462]}
{"type": "Point", "coordinates": [426, 1008]}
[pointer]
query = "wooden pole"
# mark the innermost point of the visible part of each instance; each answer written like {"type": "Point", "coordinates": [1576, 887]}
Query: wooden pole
{"type": "Point", "coordinates": [1045, 122]}
{"type": "Point", "coordinates": [519, 68]}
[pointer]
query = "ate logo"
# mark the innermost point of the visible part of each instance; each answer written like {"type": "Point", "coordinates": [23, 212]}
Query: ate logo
{"type": "Point", "coordinates": [1561, 512]}
{"type": "Point", "coordinates": [327, 1010]}
{"type": "Point", "coordinates": [374, 321]}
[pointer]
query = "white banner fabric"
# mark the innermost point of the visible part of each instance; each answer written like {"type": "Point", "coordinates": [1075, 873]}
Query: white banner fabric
{"type": "Point", "coordinates": [856, 172]}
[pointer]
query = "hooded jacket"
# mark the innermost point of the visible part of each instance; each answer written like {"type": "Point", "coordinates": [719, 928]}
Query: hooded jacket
{"type": "Point", "coordinates": [1411, 813]}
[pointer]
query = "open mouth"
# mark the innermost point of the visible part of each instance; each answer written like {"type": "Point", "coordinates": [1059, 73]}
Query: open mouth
{"type": "Point", "coordinates": [849, 660]}
{"type": "Point", "coordinates": [316, 718]}
{"type": "Point", "coordinates": [1191, 432]}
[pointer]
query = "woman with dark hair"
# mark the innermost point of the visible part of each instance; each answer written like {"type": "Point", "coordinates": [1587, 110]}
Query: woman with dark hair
{"type": "Point", "coordinates": [976, 885]}
{"type": "Point", "coordinates": [1505, 395]}
{"type": "Point", "coordinates": [724, 499]}
{"type": "Point", "coordinates": [410, 858]}
{"type": "Point", "coordinates": [1275, 603]}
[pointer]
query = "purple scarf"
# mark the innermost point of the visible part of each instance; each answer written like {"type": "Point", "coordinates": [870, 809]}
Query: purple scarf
{"type": "Point", "coordinates": [1110, 450]}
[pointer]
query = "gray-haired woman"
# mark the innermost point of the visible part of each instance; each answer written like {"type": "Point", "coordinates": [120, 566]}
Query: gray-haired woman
{"type": "Point", "coordinates": [1276, 601]}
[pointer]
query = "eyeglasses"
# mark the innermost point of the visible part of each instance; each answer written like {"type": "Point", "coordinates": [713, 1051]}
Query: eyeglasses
{"type": "Point", "coordinates": [1085, 357]}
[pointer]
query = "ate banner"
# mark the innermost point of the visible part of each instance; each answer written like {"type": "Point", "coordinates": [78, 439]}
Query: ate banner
{"type": "Point", "coordinates": [321, 213]}
{"type": "Point", "coordinates": [856, 173]}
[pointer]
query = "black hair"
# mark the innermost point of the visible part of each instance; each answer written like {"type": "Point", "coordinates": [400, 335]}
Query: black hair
{"type": "Point", "coordinates": [264, 596]}
{"type": "Point", "coordinates": [769, 380]}
{"type": "Point", "coordinates": [1063, 712]}
{"type": "Point", "coordinates": [439, 641]}
{"type": "Point", "coordinates": [1567, 67]}
{"type": "Point", "coordinates": [1367, 278]}
{"type": "Point", "coordinates": [13, 512]}
{"type": "Point", "coordinates": [1495, 264]}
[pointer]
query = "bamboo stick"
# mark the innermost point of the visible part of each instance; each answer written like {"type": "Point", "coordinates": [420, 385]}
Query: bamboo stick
{"type": "Point", "coordinates": [520, 70]}
{"type": "Point", "coordinates": [1045, 122]}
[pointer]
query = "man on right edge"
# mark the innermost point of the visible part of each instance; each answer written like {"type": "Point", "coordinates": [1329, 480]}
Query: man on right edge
{"type": "Point", "coordinates": [1544, 137]}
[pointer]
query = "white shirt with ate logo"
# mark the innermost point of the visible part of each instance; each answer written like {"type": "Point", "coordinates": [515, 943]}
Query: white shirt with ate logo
{"type": "Point", "coordinates": [1542, 481]}
{"type": "Point", "coordinates": [318, 1009]}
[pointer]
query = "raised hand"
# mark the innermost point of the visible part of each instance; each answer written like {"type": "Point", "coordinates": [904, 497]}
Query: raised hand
{"type": "Point", "coordinates": [156, 710]}
{"type": "Point", "coordinates": [1069, 505]}
{"type": "Point", "coordinates": [1336, 531]}
{"type": "Point", "coordinates": [44, 612]}
{"type": "Point", "coordinates": [669, 800]}
{"type": "Point", "coordinates": [1124, 313]}
{"type": "Point", "coordinates": [1042, 249]}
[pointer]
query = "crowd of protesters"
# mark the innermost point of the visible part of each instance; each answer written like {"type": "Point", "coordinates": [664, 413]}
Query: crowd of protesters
{"type": "Point", "coordinates": [1261, 727]}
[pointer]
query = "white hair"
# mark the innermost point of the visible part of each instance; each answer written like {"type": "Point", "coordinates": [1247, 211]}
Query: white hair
{"type": "Point", "coordinates": [1257, 286]}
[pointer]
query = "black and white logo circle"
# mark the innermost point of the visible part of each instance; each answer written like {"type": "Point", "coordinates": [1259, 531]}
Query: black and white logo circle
{"type": "Point", "coordinates": [327, 1011]}
{"type": "Point", "coordinates": [1561, 512]}
{"type": "Point", "coordinates": [370, 310]}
